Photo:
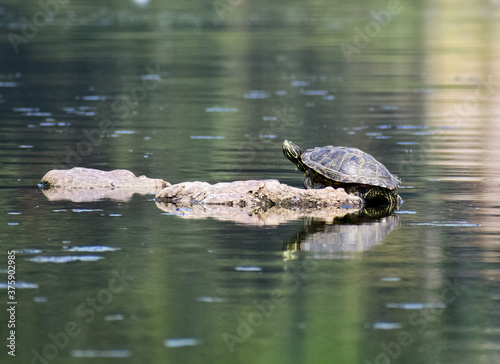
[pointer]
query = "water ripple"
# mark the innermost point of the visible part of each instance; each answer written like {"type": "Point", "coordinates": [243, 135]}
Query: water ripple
{"type": "Point", "coordinates": [256, 95]}
{"type": "Point", "coordinates": [248, 269]}
{"type": "Point", "coordinates": [452, 224]}
{"type": "Point", "coordinates": [93, 249]}
{"type": "Point", "coordinates": [19, 285]}
{"type": "Point", "coordinates": [90, 353]}
{"type": "Point", "coordinates": [65, 258]}
{"type": "Point", "coordinates": [415, 305]}
{"type": "Point", "coordinates": [221, 109]}
{"type": "Point", "coordinates": [177, 343]}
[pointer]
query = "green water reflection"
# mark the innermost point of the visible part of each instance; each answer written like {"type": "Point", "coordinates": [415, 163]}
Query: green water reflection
{"type": "Point", "coordinates": [208, 91]}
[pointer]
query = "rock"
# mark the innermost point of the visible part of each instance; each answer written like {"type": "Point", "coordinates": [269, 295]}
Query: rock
{"type": "Point", "coordinates": [87, 184]}
{"type": "Point", "coordinates": [253, 202]}
{"type": "Point", "coordinates": [255, 194]}
{"type": "Point", "coordinates": [79, 177]}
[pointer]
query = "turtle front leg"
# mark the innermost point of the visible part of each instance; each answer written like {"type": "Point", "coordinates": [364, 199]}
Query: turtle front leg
{"type": "Point", "coordinates": [308, 182]}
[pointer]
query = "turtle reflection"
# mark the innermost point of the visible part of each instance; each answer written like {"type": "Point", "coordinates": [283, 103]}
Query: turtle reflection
{"type": "Point", "coordinates": [351, 233]}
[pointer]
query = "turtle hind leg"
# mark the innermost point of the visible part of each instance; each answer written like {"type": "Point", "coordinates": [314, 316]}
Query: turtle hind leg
{"type": "Point", "coordinates": [308, 182]}
{"type": "Point", "coordinates": [379, 197]}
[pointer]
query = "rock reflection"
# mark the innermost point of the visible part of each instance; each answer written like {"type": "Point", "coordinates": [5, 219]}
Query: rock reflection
{"type": "Point", "coordinates": [271, 216]}
{"type": "Point", "coordinates": [83, 195]}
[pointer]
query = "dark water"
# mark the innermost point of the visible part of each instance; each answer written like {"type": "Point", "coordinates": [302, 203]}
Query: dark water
{"type": "Point", "coordinates": [208, 91]}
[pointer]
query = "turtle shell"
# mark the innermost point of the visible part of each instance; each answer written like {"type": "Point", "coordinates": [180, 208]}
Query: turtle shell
{"type": "Point", "coordinates": [333, 165]}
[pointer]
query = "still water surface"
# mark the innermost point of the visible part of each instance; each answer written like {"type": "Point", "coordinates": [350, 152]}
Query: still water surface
{"type": "Point", "coordinates": [208, 91]}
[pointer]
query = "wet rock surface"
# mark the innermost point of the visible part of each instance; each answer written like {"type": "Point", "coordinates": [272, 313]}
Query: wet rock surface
{"type": "Point", "coordinates": [255, 194]}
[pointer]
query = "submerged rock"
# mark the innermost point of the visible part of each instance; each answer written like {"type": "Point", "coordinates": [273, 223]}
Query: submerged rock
{"type": "Point", "coordinates": [255, 193]}
{"type": "Point", "coordinates": [87, 184]}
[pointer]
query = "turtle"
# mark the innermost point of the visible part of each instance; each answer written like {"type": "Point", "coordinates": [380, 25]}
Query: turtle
{"type": "Point", "coordinates": [359, 173]}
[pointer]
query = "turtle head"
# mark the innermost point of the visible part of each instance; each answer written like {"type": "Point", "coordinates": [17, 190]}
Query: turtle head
{"type": "Point", "coordinates": [292, 152]}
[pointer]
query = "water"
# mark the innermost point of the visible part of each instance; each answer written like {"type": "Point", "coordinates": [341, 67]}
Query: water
{"type": "Point", "coordinates": [208, 91]}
